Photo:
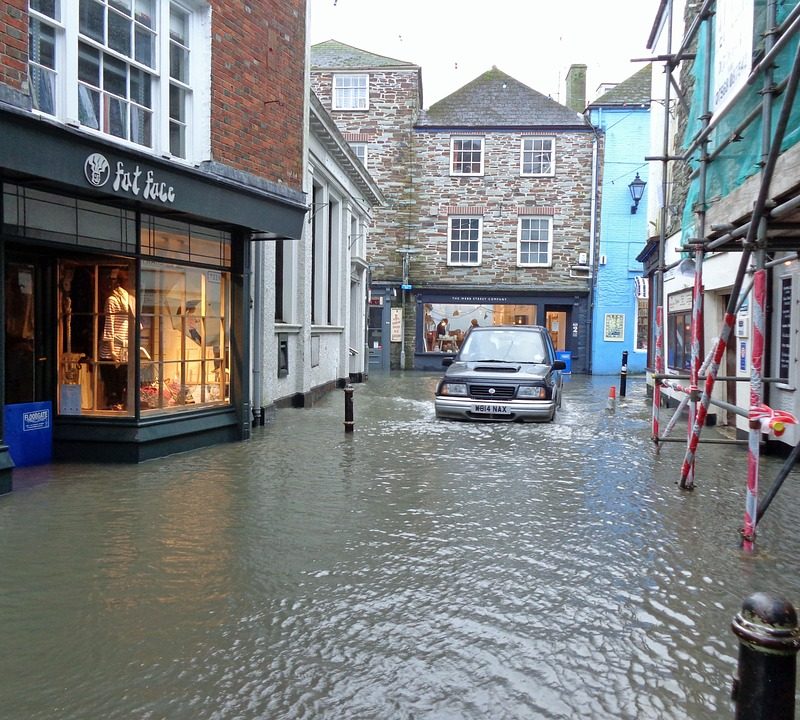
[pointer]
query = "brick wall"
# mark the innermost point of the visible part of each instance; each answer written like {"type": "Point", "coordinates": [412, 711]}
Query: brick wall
{"type": "Point", "coordinates": [387, 129]}
{"type": "Point", "coordinates": [258, 92]}
{"type": "Point", "coordinates": [14, 44]}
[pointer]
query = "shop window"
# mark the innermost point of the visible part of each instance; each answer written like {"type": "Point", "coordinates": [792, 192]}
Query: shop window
{"type": "Point", "coordinates": [185, 349]}
{"type": "Point", "coordinates": [39, 215]}
{"type": "Point", "coordinates": [175, 240]}
{"type": "Point", "coordinates": [642, 324]}
{"type": "Point", "coordinates": [182, 327]}
{"type": "Point", "coordinates": [445, 324]}
{"type": "Point", "coordinates": [679, 340]}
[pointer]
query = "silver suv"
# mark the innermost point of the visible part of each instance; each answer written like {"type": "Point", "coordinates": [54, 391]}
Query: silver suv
{"type": "Point", "coordinates": [502, 372]}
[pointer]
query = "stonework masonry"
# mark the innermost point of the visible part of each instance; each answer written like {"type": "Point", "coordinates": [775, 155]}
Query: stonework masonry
{"type": "Point", "coordinates": [501, 196]}
{"type": "Point", "coordinates": [387, 128]}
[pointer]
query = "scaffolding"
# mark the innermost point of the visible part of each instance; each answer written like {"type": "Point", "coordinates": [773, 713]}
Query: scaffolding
{"type": "Point", "coordinates": [722, 150]}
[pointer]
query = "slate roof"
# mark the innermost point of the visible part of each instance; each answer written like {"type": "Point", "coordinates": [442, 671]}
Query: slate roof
{"type": "Point", "coordinates": [333, 55]}
{"type": "Point", "coordinates": [636, 90]}
{"type": "Point", "coordinates": [495, 99]}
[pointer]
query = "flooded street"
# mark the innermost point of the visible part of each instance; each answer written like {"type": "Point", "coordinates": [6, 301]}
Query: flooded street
{"type": "Point", "coordinates": [414, 569]}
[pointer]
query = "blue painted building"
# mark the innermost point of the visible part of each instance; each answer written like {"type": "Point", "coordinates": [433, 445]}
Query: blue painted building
{"type": "Point", "coordinates": [620, 317]}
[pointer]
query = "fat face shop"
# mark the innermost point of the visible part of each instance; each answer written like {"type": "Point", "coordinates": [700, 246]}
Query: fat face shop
{"type": "Point", "coordinates": [126, 297]}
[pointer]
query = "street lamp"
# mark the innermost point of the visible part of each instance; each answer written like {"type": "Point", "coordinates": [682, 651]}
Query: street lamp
{"type": "Point", "coordinates": [637, 190]}
{"type": "Point", "coordinates": [405, 252]}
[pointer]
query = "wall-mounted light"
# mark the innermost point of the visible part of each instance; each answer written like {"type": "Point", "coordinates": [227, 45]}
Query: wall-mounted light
{"type": "Point", "coordinates": [637, 190]}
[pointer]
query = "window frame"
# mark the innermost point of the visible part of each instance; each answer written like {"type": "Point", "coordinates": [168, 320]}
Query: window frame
{"type": "Point", "coordinates": [641, 324]}
{"type": "Point", "coordinates": [75, 94]}
{"type": "Point", "coordinates": [453, 154]}
{"type": "Point", "coordinates": [478, 241]}
{"type": "Point", "coordinates": [360, 150]}
{"type": "Point", "coordinates": [336, 92]}
{"type": "Point", "coordinates": [549, 242]}
{"type": "Point", "coordinates": [522, 162]}
{"type": "Point", "coordinates": [679, 324]}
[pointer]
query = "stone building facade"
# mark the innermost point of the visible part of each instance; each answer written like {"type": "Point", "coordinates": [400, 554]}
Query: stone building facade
{"type": "Point", "coordinates": [376, 117]}
{"type": "Point", "coordinates": [507, 239]}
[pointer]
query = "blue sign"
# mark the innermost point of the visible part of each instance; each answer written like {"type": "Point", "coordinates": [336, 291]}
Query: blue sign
{"type": "Point", "coordinates": [405, 287]}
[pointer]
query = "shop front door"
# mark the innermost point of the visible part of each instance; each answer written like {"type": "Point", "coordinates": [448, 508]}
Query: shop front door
{"type": "Point", "coordinates": [556, 323]}
{"type": "Point", "coordinates": [28, 347]}
{"type": "Point", "coordinates": [378, 345]}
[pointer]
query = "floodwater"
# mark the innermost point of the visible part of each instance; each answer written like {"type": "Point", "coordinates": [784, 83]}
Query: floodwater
{"type": "Point", "coordinates": [412, 569]}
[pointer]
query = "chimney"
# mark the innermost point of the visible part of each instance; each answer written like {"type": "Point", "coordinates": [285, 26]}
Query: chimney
{"type": "Point", "coordinates": [576, 88]}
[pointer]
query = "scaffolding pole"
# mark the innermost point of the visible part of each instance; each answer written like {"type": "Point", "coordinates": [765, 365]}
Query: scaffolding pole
{"type": "Point", "coordinates": [751, 239]}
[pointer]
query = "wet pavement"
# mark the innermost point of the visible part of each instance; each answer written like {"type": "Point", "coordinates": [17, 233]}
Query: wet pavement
{"type": "Point", "coordinates": [412, 569]}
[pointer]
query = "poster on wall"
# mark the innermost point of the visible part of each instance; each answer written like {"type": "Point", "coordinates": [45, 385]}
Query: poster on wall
{"type": "Point", "coordinates": [397, 324]}
{"type": "Point", "coordinates": [614, 327]}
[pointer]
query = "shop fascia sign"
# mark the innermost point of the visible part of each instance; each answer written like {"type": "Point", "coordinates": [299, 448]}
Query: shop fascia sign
{"type": "Point", "coordinates": [127, 179]}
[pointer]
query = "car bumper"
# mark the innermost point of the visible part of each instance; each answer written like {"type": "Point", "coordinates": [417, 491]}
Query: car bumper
{"type": "Point", "coordinates": [459, 408]}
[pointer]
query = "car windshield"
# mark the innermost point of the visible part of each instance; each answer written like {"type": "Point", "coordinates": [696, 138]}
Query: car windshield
{"type": "Point", "coordinates": [503, 346]}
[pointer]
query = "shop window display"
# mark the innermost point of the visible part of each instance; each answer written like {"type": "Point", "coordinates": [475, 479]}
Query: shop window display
{"type": "Point", "coordinates": [445, 324]}
{"type": "Point", "coordinates": [181, 322]}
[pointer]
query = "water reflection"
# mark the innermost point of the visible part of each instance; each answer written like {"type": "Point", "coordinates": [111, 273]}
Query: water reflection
{"type": "Point", "coordinates": [416, 568]}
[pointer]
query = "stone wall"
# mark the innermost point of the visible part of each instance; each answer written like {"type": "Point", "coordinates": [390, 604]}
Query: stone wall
{"type": "Point", "coordinates": [386, 127]}
{"type": "Point", "coordinates": [501, 196]}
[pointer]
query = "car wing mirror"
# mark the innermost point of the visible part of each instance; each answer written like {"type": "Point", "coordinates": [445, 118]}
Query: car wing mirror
{"type": "Point", "coordinates": [559, 365]}
{"type": "Point", "coordinates": [448, 361]}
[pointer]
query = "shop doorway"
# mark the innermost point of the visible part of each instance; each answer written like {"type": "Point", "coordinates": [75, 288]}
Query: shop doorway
{"type": "Point", "coordinates": [377, 341]}
{"type": "Point", "coordinates": [556, 323]}
{"type": "Point", "coordinates": [28, 346]}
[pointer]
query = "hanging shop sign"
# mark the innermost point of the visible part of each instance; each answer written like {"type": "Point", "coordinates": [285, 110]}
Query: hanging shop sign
{"type": "Point", "coordinates": [127, 179]}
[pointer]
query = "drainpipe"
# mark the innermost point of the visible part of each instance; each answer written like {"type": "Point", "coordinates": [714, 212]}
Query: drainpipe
{"type": "Point", "coordinates": [258, 332]}
{"type": "Point", "coordinates": [592, 242]}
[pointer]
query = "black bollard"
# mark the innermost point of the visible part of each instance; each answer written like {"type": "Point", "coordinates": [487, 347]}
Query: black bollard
{"type": "Point", "coordinates": [348, 408]}
{"type": "Point", "coordinates": [764, 686]}
{"type": "Point", "coordinates": [623, 374]}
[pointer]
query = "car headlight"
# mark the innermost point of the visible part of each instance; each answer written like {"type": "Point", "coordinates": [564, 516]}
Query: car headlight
{"type": "Point", "coordinates": [532, 391]}
{"type": "Point", "coordinates": [449, 388]}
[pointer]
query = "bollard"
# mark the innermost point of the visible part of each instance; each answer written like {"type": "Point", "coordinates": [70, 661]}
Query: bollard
{"type": "Point", "coordinates": [348, 408]}
{"type": "Point", "coordinates": [623, 374]}
{"type": "Point", "coordinates": [611, 403]}
{"type": "Point", "coordinates": [764, 686]}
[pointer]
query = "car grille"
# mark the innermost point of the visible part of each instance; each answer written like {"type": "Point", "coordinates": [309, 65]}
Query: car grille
{"type": "Point", "coordinates": [484, 392]}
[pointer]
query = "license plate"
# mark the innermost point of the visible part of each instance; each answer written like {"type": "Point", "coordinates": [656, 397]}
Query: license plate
{"type": "Point", "coordinates": [491, 409]}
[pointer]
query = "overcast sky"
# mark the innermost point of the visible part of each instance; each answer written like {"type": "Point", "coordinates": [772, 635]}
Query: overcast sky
{"type": "Point", "coordinates": [534, 41]}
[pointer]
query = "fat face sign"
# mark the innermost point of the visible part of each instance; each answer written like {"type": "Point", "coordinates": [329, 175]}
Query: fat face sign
{"type": "Point", "coordinates": [127, 179]}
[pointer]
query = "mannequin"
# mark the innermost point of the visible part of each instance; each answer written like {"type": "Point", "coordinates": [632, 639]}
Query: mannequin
{"type": "Point", "coordinates": [119, 308]}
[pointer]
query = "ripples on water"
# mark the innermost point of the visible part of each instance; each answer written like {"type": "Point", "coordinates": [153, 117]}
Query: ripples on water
{"type": "Point", "coordinates": [414, 569]}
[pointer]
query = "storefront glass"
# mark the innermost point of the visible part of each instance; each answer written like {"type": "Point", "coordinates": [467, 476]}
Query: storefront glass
{"type": "Point", "coordinates": [183, 337]}
{"type": "Point", "coordinates": [446, 323]}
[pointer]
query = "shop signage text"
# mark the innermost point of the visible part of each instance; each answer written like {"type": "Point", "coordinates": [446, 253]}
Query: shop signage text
{"type": "Point", "coordinates": [127, 179]}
